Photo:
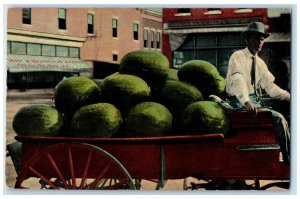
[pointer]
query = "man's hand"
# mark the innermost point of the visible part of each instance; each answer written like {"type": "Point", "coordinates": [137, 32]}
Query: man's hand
{"type": "Point", "coordinates": [251, 108]}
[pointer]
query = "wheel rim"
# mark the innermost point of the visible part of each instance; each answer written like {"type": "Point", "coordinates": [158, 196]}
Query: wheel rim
{"type": "Point", "coordinates": [74, 166]}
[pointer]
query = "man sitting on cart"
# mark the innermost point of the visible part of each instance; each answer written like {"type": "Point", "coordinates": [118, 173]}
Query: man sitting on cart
{"type": "Point", "coordinates": [247, 74]}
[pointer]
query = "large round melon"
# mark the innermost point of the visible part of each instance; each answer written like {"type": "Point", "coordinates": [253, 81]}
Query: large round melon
{"type": "Point", "coordinates": [101, 120]}
{"type": "Point", "coordinates": [124, 90]}
{"type": "Point", "coordinates": [204, 76]}
{"type": "Point", "coordinates": [204, 117]}
{"type": "Point", "coordinates": [75, 92]}
{"type": "Point", "coordinates": [176, 95]}
{"type": "Point", "coordinates": [152, 66]}
{"type": "Point", "coordinates": [148, 119]}
{"type": "Point", "coordinates": [38, 120]}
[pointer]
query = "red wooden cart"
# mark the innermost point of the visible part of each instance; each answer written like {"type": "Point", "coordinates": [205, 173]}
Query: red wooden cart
{"type": "Point", "coordinates": [252, 152]}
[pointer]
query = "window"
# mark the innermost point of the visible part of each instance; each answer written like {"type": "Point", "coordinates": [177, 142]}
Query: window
{"type": "Point", "coordinates": [74, 52]}
{"type": "Point", "coordinates": [115, 28]}
{"type": "Point", "coordinates": [158, 40]}
{"type": "Point", "coordinates": [62, 51]}
{"type": "Point", "coordinates": [18, 48]}
{"type": "Point", "coordinates": [48, 50]}
{"type": "Point", "coordinates": [184, 10]}
{"type": "Point", "coordinates": [152, 39]}
{"type": "Point", "coordinates": [8, 51]}
{"type": "Point", "coordinates": [34, 49]}
{"type": "Point", "coordinates": [145, 38]}
{"type": "Point", "coordinates": [115, 57]}
{"type": "Point", "coordinates": [213, 11]}
{"type": "Point", "coordinates": [90, 23]}
{"type": "Point", "coordinates": [136, 31]}
{"type": "Point", "coordinates": [243, 10]}
{"type": "Point", "coordinates": [215, 48]}
{"type": "Point", "coordinates": [26, 12]}
{"type": "Point", "coordinates": [62, 13]}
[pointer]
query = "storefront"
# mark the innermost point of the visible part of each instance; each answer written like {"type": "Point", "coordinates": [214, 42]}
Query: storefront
{"type": "Point", "coordinates": [25, 71]}
{"type": "Point", "coordinates": [41, 60]}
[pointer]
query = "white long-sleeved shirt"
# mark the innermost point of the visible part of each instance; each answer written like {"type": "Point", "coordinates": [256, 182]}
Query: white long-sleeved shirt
{"type": "Point", "coordinates": [239, 77]}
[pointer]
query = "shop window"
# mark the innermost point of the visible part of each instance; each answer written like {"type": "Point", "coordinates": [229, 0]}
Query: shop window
{"type": "Point", "coordinates": [158, 40]}
{"type": "Point", "coordinates": [62, 18]}
{"type": "Point", "coordinates": [152, 39]}
{"type": "Point", "coordinates": [26, 12]}
{"type": "Point", "coordinates": [207, 55]}
{"type": "Point", "coordinates": [62, 51]}
{"type": "Point", "coordinates": [215, 48]}
{"type": "Point", "coordinates": [115, 28]}
{"type": "Point", "coordinates": [18, 48]}
{"type": "Point", "coordinates": [145, 38]}
{"type": "Point", "coordinates": [233, 39]}
{"type": "Point", "coordinates": [136, 31]}
{"type": "Point", "coordinates": [74, 52]}
{"type": "Point", "coordinates": [48, 50]}
{"type": "Point", "coordinates": [34, 49]}
{"type": "Point", "coordinates": [223, 58]}
{"type": "Point", "coordinates": [208, 40]}
{"type": "Point", "coordinates": [90, 23]}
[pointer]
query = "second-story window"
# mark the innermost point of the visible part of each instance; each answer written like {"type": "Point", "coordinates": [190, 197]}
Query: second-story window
{"type": "Point", "coordinates": [26, 14]}
{"type": "Point", "coordinates": [62, 18]}
{"type": "Point", "coordinates": [115, 57]}
{"type": "Point", "coordinates": [158, 40]}
{"type": "Point", "coordinates": [115, 28]}
{"type": "Point", "coordinates": [145, 38]}
{"type": "Point", "coordinates": [152, 39]}
{"type": "Point", "coordinates": [90, 23]}
{"type": "Point", "coordinates": [184, 10]}
{"type": "Point", "coordinates": [136, 31]}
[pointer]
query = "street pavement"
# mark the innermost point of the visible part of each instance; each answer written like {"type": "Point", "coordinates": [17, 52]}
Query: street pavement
{"type": "Point", "coordinates": [16, 99]}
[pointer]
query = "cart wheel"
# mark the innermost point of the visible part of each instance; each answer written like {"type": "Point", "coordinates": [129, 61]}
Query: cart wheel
{"type": "Point", "coordinates": [74, 166]}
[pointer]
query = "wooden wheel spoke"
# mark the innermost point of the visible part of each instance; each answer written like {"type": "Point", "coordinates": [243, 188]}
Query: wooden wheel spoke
{"type": "Point", "coordinates": [38, 174]}
{"type": "Point", "coordinates": [82, 171]}
{"type": "Point", "coordinates": [83, 181]}
{"type": "Point", "coordinates": [96, 181]}
{"type": "Point", "coordinates": [72, 167]}
{"type": "Point", "coordinates": [53, 163]}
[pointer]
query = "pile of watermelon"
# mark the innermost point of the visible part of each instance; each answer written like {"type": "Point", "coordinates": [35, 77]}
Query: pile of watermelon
{"type": "Point", "coordinates": [145, 98]}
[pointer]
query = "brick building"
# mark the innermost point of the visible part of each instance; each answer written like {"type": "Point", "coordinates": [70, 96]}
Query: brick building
{"type": "Point", "coordinates": [46, 44]}
{"type": "Point", "coordinates": [213, 34]}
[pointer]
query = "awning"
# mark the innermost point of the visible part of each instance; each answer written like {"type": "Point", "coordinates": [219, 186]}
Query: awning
{"type": "Point", "coordinates": [279, 37]}
{"type": "Point", "coordinates": [26, 63]}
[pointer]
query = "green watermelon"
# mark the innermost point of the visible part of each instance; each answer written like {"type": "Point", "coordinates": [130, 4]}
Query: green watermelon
{"type": "Point", "coordinates": [176, 95]}
{"type": "Point", "coordinates": [204, 76]}
{"type": "Point", "coordinates": [75, 92]}
{"type": "Point", "coordinates": [38, 120]}
{"type": "Point", "coordinates": [124, 91]}
{"type": "Point", "coordinates": [204, 117]}
{"type": "Point", "coordinates": [148, 119]}
{"type": "Point", "coordinates": [101, 120]}
{"type": "Point", "coordinates": [151, 66]}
